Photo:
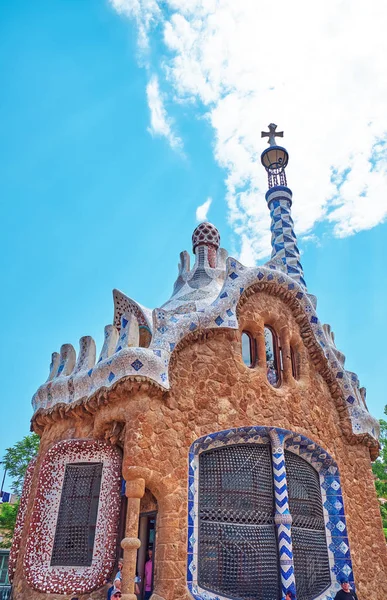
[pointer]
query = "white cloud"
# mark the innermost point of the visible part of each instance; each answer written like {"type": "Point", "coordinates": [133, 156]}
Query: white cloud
{"type": "Point", "coordinates": [160, 122]}
{"type": "Point", "coordinates": [316, 70]}
{"type": "Point", "coordinates": [202, 210]}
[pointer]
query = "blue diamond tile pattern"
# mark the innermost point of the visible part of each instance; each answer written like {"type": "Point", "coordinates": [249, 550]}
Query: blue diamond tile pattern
{"type": "Point", "coordinates": [283, 238]}
{"type": "Point", "coordinates": [137, 365]}
{"type": "Point", "coordinates": [219, 321]}
{"type": "Point", "coordinates": [111, 376]}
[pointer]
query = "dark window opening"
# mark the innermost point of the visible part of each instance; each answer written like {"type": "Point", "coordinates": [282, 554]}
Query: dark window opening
{"type": "Point", "coordinates": [310, 554]}
{"type": "Point", "coordinates": [4, 558]}
{"type": "Point", "coordinates": [75, 528]}
{"type": "Point", "coordinates": [273, 357]}
{"type": "Point", "coordinates": [249, 353]}
{"type": "Point", "coordinates": [238, 554]}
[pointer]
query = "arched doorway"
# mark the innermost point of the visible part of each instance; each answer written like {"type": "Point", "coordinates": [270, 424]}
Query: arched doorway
{"type": "Point", "coordinates": [147, 550]}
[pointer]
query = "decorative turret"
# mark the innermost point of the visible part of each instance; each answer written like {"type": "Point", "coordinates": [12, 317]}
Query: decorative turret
{"type": "Point", "coordinates": [206, 235]}
{"type": "Point", "coordinates": [200, 285]}
{"type": "Point", "coordinates": [279, 200]}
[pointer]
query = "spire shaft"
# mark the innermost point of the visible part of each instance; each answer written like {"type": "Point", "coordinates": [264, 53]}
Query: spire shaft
{"type": "Point", "coordinates": [279, 200]}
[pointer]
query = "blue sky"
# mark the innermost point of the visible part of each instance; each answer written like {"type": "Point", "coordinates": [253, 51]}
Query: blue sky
{"type": "Point", "coordinates": [102, 174]}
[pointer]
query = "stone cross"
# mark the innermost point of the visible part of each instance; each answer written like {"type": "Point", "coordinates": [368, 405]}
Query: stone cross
{"type": "Point", "coordinates": [271, 134]}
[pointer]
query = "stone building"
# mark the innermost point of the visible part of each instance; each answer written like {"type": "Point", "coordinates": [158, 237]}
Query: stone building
{"type": "Point", "coordinates": [243, 444]}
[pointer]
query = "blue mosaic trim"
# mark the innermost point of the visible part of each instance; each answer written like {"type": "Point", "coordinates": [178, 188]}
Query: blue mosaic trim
{"type": "Point", "coordinates": [333, 505]}
{"type": "Point", "coordinates": [282, 516]}
{"type": "Point", "coordinates": [172, 326]}
{"type": "Point", "coordinates": [283, 238]}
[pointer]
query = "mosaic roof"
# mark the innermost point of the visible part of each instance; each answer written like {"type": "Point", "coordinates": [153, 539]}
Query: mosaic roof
{"type": "Point", "coordinates": [140, 341]}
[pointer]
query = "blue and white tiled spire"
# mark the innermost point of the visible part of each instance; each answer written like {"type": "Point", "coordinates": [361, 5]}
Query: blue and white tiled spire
{"type": "Point", "coordinates": [279, 200]}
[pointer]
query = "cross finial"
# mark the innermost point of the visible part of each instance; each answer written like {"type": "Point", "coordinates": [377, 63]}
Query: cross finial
{"type": "Point", "coordinates": [271, 134]}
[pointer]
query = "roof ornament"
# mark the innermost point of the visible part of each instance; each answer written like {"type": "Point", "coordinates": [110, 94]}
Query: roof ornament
{"type": "Point", "coordinates": [275, 158]}
{"type": "Point", "coordinates": [272, 134]}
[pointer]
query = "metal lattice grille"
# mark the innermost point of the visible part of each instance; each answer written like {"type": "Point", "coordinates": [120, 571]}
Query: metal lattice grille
{"type": "Point", "coordinates": [238, 554]}
{"type": "Point", "coordinates": [311, 562]}
{"type": "Point", "coordinates": [75, 529]}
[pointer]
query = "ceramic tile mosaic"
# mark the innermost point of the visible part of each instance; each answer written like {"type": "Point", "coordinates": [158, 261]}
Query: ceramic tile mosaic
{"type": "Point", "coordinates": [21, 515]}
{"type": "Point", "coordinates": [333, 505]}
{"type": "Point", "coordinates": [203, 298]}
{"type": "Point", "coordinates": [283, 238]}
{"type": "Point", "coordinates": [73, 580]}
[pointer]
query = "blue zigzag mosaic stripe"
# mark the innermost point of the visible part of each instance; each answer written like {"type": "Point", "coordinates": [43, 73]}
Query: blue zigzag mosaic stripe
{"type": "Point", "coordinates": [282, 516]}
{"type": "Point", "coordinates": [333, 506]}
{"type": "Point", "coordinates": [283, 239]}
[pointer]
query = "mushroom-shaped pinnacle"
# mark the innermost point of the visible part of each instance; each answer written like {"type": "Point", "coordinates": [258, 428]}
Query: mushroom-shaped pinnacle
{"type": "Point", "coordinates": [205, 234]}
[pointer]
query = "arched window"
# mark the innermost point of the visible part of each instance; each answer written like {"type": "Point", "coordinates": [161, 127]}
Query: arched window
{"type": "Point", "coordinates": [239, 483]}
{"type": "Point", "coordinates": [248, 349]}
{"type": "Point", "coordinates": [272, 357]}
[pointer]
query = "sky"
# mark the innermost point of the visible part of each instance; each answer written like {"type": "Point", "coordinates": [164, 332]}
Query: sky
{"type": "Point", "coordinates": [124, 123]}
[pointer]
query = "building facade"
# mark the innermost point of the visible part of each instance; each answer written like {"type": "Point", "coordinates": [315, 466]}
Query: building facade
{"type": "Point", "coordinates": [244, 444]}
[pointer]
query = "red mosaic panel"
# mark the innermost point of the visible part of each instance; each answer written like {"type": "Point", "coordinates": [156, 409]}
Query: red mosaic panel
{"type": "Point", "coordinates": [21, 515]}
{"type": "Point", "coordinates": [37, 561]}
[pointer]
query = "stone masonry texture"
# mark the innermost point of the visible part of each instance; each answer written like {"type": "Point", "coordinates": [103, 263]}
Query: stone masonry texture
{"type": "Point", "coordinates": [213, 390]}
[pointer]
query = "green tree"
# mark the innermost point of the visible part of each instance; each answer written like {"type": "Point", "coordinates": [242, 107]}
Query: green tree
{"type": "Point", "coordinates": [8, 514]}
{"type": "Point", "coordinates": [16, 460]}
{"type": "Point", "coordinates": [379, 469]}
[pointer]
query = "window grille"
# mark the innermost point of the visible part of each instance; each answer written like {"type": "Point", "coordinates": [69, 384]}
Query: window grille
{"type": "Point", "coordinates": [75, 529]}
{"type": "Point", "coordinates": [311, 562]}
{"type": "Point", "coordinates": [238, 554]}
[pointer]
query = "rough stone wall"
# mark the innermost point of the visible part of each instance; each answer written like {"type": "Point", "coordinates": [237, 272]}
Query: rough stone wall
{"type": "Point", "coordinates": [213, 390]}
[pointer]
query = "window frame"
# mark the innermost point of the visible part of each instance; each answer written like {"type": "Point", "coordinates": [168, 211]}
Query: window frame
{"type": "Point", "coordinates": [252, 348]}
{"type": "Point", "coordinates": [277, 355]}
{"type": "Point", "coordinates": [330, 486]}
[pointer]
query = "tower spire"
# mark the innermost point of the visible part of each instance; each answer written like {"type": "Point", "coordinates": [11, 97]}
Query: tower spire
{"type": "Point", "coordinates": [279, 200]}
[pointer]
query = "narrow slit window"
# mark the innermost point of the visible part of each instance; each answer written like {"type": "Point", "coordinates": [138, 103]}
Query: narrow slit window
{"type": "Point", "coordinates": [77, 517]}
{"type": "Point", "coordinates": [248, 349]}
{"type": "Point", "coordinates": [272, 357]}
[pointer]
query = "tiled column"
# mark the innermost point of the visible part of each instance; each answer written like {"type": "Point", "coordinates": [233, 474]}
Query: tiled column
{"type": "Point", "coordinates": [283, 238]}
{"type": "Point", "coordinates": [135, 490]}
{"type": "Point", "coordinates": [282, 518]}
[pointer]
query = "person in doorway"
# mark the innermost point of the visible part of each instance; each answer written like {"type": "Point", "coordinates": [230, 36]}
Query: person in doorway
{"type": "Point", "coordinates": [119, 572]}
{"type": "Point", "coordinates": [346, 592]}
{"type": "Point", "coordinates": [148, 575]}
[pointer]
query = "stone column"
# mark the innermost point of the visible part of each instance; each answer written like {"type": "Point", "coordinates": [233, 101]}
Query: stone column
{"type": "Point", "coordinates": [286, 357]}
{"type": "Point", "coordinates": [261, 346]}
{"type": "Point", "coordinates": [135, 490]}
{"type": "Point", "coordinates": [282, 518]}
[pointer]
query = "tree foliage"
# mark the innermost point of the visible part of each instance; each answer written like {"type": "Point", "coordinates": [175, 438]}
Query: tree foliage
{"type": "Point", "coordinates": [379, 468]}
{"type": "Point", "coordinates": [8, 514]}
{"type": "Point", "coordinates": [16, 460]}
